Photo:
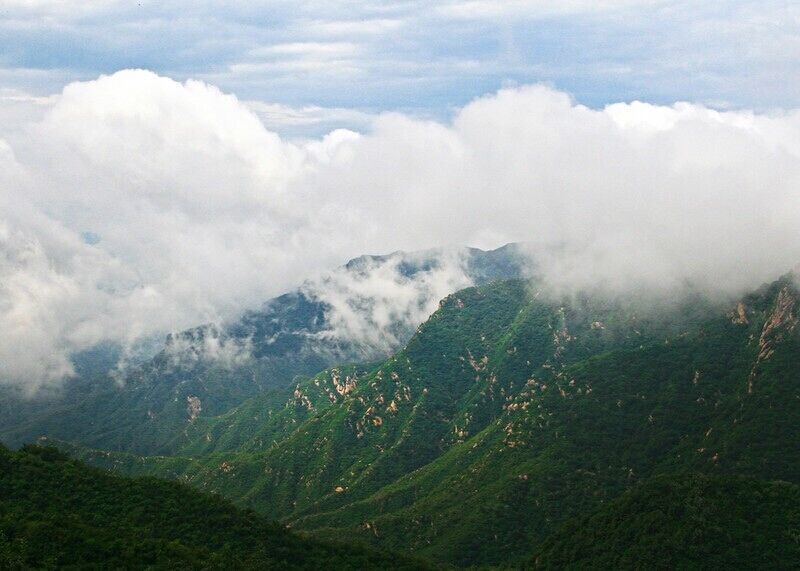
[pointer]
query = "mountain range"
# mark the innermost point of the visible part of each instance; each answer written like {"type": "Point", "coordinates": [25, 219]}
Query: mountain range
{"type": "Point", "coordinates": [517, 427]}
{"type": "Point", "coordinates": [207, 370]}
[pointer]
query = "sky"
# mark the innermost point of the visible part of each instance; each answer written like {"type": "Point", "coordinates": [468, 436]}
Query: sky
{"type": "Point", "coordinates": [165, 165]}
{"type": "Point", "coordinates": [312, 64]}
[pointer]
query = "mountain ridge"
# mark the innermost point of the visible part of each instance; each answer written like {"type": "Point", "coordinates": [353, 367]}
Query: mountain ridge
{"type": "Point", "coordinates": [530, 409]}
{"type": "Point", "coordinates": [209, 369]}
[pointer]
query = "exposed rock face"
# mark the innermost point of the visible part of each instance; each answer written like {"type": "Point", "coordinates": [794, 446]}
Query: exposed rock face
{"type": "Point", "coordinates": [739, 316]}
{"type": "Point", "coordinates": [478, 365]}
{"type": "Point", "coordinates": [301, 399]}
{"type": "Point", "coordinates": [343, 387]}
{"type": "Point", "coordinates": [781, 321]}
{"type": "Point", "coordinates": [193, 407]}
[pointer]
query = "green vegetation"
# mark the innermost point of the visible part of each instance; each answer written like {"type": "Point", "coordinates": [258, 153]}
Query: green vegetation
{"type": "Point", "coordinates": [506, 415]}
{"type": "Point", "coordinates": [57, 513]}
{"type": "Point", "coordinates": [688, 522]}
{"type": "Point", "coordinates": [509, 415]}
{"type": "Point", "coordinates": [145, 408]}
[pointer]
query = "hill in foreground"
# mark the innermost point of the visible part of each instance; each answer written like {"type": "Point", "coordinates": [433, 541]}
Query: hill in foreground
{"type": "Point", "coordinates": [57, 513]}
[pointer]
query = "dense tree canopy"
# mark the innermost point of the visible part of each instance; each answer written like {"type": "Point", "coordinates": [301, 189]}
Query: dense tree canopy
{"type": "Point", "coordinates": [59, 513]}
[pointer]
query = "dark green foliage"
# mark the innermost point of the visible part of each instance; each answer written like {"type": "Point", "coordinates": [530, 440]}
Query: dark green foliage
{"type": "Point", "coordinates": [508, 414]}
{"type": "Point", "coordinates": [687, 522]}
{"type": "Point", "coordinates": [57, 513]}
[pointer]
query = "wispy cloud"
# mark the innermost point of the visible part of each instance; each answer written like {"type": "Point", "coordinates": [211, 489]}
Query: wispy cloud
{"type": "Point", "coordinates": [534, 9]}
{"type": "Point", "coordinates": [351, 28]}
{"type": "Point", "coordinates": [390, 55]}
{"type": "Point", "coordinates": [320, 50]}
{"type": "Point", "coordinates": [310, 118]}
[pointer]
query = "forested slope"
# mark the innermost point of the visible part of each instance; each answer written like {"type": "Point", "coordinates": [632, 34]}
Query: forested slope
{"type": "Point", "coordinates": [507, 414]}
{"type": "Point", "coordinates": [59, 513]}
{"type": "Point", "coordinates": [686, 522]}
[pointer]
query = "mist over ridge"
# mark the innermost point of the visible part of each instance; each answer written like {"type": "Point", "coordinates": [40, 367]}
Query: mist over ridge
{"type": "Point", "coordinates": [136, 205]}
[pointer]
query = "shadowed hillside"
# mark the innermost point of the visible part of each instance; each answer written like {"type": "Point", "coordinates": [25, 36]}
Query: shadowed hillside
{"type": "Point", "coordinates": [687, 522]}
{"type": "Point", "coordinates": [58, 513]}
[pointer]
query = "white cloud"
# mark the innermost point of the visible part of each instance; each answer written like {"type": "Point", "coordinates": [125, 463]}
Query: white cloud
{"type": "Point", "coordinates": [321, 50]}
{"type": "Point", "coordinates": [645, 193]}
{"type": "Point", "coordinates": [390, 55]}
{"type": "Point", "coordinates": [186, 195]}
{"type": "Point", "coordinates": [207, 344]}
{"type": "Point", "coordinates": [374, 304]}
{"type": "Point", "coordinates": [365, 26]}
{"type": "Point", "coordinates": [30, 294]}
{"type": "Point", "coordinates": [60, 8]}
{"type": "Point", "coordinates": [493, 9]}
{"type": "Point", "coordinates": [286, 118]}
{"type": "Point", "coordinates": [328, 58]}
{"type": "Point", "coordinates": [196, 211]}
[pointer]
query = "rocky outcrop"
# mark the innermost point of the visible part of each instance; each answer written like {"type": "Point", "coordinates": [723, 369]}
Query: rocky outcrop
{"type": "Point", "coordinates": [739, 315]}
{"type": "Point", "coordinates": [781, 321]}
{"type": "Point", "coordinates": [193, 407]}
{"type": "Point", "coordinates": [342, 386]}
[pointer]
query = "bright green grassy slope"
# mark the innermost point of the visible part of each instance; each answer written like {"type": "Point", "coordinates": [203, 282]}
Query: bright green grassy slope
{"type": "Point", "coordinates": [506, 415]}
{"type": "Point", "coordinates": [59, 513]}
{"type": "Point", "coordinates": [687, 522]}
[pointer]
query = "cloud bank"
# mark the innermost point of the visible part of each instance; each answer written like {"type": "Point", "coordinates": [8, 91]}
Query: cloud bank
{"type": "Point", "coordinates": [134, 205]}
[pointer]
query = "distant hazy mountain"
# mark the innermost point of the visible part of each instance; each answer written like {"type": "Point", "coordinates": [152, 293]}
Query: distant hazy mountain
{"type": "Point", "coordinates": [361, 312]}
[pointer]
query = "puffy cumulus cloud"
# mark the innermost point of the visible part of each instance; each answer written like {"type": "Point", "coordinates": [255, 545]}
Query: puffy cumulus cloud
{"type": "Point", "coordinates": [30, 294]}
{"type": "Point", "coordinates": [139, 205]}
{"type": "Point", "coordinates": [633, 193]}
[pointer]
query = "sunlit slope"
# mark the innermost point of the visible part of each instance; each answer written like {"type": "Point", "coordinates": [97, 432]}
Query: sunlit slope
{"type": "Point", "coordinates": [509, 412]}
